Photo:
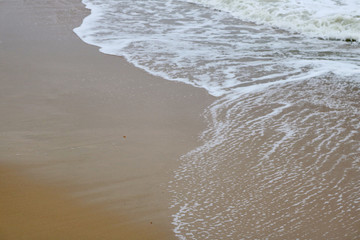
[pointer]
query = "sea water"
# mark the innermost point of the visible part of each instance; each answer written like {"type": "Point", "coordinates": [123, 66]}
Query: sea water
{"type": "Point", "coordinates": [280, 158]}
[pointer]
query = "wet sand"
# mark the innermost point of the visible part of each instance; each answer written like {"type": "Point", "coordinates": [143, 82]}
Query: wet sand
{"type": "Point", "coordinates": [89, 139]}
{"type": "Point", "coordinates": [32, 210]}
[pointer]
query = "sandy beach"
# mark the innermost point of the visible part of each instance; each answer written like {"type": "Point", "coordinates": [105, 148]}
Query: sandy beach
{"type": "Point", "coordinates": [87, 140]}
{"type": "Point", "coordinates": [92, 147]}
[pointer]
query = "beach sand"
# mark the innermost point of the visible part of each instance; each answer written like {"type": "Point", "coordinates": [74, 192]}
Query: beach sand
{"type": "Point", "coordinates": [31, 210]}
{"type": "Point", "coordinates": [87, 140]}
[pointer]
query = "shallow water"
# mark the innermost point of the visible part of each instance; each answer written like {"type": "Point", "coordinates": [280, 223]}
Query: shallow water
{"type": "Point", "coordinates": [280, 157]}
{"type": "Point", "coordinates": [278, 164]}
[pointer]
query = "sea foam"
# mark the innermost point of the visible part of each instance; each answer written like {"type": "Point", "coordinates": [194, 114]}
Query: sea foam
{"type": "Point", "coordinates": [323, 18]}
{"type": "Point", "coordinates": [207, 48]}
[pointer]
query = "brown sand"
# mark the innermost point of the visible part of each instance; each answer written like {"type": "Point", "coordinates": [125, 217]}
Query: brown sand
{"type": "Point", "coordinates": [30, 210]}
{"type": "Point", "coordinates": [65, 109]}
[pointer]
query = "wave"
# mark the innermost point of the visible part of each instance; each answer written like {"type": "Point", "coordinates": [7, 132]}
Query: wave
{"type": "Point", "coordinates": [322, 18]}
{"type": "Point", "coordinates": [207, 48]}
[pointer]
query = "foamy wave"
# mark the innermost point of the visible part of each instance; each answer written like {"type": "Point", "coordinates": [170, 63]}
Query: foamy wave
{"type": "Point", "coordinates": [209, 49]}
{"type": "Point", "coordinates": [325, 18]}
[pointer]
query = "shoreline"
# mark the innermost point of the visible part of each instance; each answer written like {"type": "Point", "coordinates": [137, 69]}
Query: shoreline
{"type": "Point", "coordinates": [91, 125]}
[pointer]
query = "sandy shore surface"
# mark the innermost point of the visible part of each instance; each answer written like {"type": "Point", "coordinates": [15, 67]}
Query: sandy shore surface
{"type": "Point", "coordinates": [32, 210]}
{"type": "Point", "coordinates": [87, 140]}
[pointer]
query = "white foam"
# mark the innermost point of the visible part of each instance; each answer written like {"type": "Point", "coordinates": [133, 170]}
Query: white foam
{"type": "Point", "coordinates": [322, 18]}
{"type": "Point", "coordinates": [208, 49]}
